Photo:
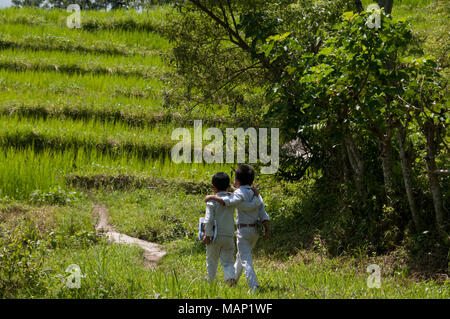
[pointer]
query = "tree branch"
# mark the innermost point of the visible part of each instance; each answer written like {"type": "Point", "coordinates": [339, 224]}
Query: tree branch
{"type": "Point", "coordinates": [235, 36]}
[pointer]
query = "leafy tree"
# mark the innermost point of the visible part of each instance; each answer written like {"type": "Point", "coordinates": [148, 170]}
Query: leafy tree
{"type": "Point", "coordinates": [217, 47]}
{"type": "Point", "coordinates": [27, 3]}
{"type": "Point", "coordinates": [338, 86]}
{"type": "Point", "coordinates": [355, 85]}
{"type": "Point", "coordinates": [387, 5]}
{"type": "Point", "coordinates": [84, 4]}
{"type": "Point", "coordinates": [358, 5]}
{"type": "Point", "coordinates": [93, 5]}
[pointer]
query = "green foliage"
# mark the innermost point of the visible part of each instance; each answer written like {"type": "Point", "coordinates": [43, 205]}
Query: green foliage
{"type": "Point", "coordinates": [92, 20]}
{"type": "Point", "coordinates": [56, 196]}
{"type": "Point", "coordinates": [91, 120]}
{"type": "Point", "coordinates": [24, 171]}
{"type": "Point", "coordinates": [21, 259]}
{"type": "Point", "coordinates": [340, 88]}
{"type": "Point", "coordinates": [356, 85]}
{"type": "Point", "coordinates": [27, 3]}
{"type": "Point", "coordinates": [156, 215]}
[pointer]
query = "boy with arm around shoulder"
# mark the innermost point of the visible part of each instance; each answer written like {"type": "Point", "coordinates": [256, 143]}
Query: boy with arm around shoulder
{"type": "Point", "coordinates": [250, 210]}
{"type": "Point", "coordinates": [223, 245]}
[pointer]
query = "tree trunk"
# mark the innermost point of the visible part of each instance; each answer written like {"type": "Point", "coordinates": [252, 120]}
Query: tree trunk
{"type": "Point", "coordinates": [440, 213]}
{"type": "Point", "coordinates": [407, 178]}
{"type": "Point", "coordinates": [385, 144]}
{"type": "Point", "coordinates": [356, 163]}
{"type": "Point", "coordinates": [387, 5]}
{"type": "Point", "coordinates": [345, 164]}
{"type": "Point", "coordinates": [358, 5]}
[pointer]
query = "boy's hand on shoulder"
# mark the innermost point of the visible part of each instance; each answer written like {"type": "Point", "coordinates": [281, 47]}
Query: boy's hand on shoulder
{"type": "Point", "coordinates": [255, 191]}
{"type": "Point", "coordinates": [216, 198]}
{"type": "Point", "coordinates": [206, 240]}
{"type": "Point", "coordinates": [266, 224]}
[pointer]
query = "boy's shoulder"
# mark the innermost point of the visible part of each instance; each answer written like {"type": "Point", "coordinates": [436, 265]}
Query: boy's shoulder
{"type": "Point", "coordinates": [243, 190]}
{"type": "Point", "coordinates": [211, 204]}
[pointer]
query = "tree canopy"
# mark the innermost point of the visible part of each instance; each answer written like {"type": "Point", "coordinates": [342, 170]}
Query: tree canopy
{"type": "Point", "coordinates": [362, 100]}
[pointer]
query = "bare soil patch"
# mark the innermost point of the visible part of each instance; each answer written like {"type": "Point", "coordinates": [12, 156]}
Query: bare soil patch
{"type": "Point", "coordinates": [152, 252]}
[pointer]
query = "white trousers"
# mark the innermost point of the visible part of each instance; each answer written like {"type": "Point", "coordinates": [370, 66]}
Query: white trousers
{"type": "Point", "coordinates": [223, 249]}
{"type": "Point", "coordinates": [246, 241]}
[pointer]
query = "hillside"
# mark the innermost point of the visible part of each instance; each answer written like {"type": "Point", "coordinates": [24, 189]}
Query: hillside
{"type": "Point", "coordinates": [83, 121]}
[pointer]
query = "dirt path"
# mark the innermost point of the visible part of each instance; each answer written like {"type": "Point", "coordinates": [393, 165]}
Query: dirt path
{"type": "Point", "coordinates": [152, 252]}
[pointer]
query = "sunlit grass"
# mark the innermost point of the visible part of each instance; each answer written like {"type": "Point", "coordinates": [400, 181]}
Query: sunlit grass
{"type": "Point", "coordinates": [147, 20]}
{"type": "Point", "coordinates": [77, 83]}
{"type": "Point", "coordinates": [68, 134]}
{"type": "Point", "coordinates": [77, 101]}
{"type": "Point", "coordinates": [61, 61]}
{"type": "Point", "coordinates": [115, 271]}
{"type": "Point", "coordinates": [129, 39]}
{"type": "Point", "coordinates": [76, 118]}
{"type": "Point", "coordinates": [24, 171]}
{"type": "Point", "coordinates": [118, 271]}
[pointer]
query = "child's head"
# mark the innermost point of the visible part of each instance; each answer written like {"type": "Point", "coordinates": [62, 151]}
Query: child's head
{"type": "Point", "coordinates": [245, 175]}
{"type": "Point", "coordinates": [220, 182]}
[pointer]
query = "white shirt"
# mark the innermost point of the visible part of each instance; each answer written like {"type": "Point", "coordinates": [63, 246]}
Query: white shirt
{"type": "Point", "coordinates": [250, 208]}
{"type": "Point", "coordinates": [222, 215]}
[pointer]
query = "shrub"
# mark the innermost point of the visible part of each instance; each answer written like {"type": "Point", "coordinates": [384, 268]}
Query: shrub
{"type": "Point", "coordinates": [56, 196]}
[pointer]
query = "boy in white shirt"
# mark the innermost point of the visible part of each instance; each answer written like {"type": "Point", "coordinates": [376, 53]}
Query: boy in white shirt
{"type": "Point", "coordinates": [223, 245]}
{"type": "Point", "coordinates": [246, 221]}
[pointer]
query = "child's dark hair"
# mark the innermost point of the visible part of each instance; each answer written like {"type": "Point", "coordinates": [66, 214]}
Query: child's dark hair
{"type": "Point", "coordinates": [221, 181]}
{"type": "Point", "coordinates": [245, 174]}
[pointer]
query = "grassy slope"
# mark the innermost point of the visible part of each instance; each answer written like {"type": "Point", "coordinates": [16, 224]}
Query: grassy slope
{"type": "Point", "coordinates": [164, 214]}
{"type": "Point", "coordinates": [430, 23]}
{"type": "Point", "coordinates": [116, 271]}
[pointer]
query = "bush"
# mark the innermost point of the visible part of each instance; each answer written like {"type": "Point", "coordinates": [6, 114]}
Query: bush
{"type": "Point", "coordinates": [56, 196]}
{"type": "Point", "coordinates": [21, 260]}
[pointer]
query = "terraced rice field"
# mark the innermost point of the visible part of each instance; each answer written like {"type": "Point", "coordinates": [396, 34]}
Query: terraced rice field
{"type": "Point", "coordinates": [83, 121]}
{"type": "Point", "coordinates": [84, 101]}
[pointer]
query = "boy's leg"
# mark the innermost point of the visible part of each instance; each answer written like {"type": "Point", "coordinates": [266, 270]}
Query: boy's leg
{"type": "Point", "coordinates": [212, 260]}
{"type": "Point", "coordinates": [246, 240]}
{"type": "Point", "coordinates": [237, 267]}
{"type": "Point", "coordinates": [227, 257]}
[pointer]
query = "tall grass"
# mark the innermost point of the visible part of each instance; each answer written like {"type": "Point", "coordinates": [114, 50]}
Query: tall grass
{"type": "Point", "coordinates": [68, 62]}
{"type": "Point", "coordinates": [63, 82]}
{"type": "Point", "coordinates": [68, 134]}
{"type": "Point", "coordinates": [76, 99]}
{"type": "Point", "coordinates": [65, 39]}
{"type": "Point", "coordinates": [60, 236]}
{"type": "Point", "coordinates": [80, 87]}
{"type": "Point", "coordinates": [129, 114]}
{"type": "Point", "coordinates": [117, 271]}
{"type": "Point", "coordinates": [56, 106]}
{"type": "Point", "coordinates": [404, 3]}
{"type": "Point", "coordinates": [148, 20]}
{"type": "Point", "coordinates": [24, 171]}
{"type": "Point", "coordinates": [21, 173]}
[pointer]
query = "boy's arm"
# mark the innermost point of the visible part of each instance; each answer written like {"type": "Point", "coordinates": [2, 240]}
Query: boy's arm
{"type": "Point", "coordinates": [237, 199]}
{"type": "Point", "coordinates": [210, 198]}
{"type": "Point", "coordinates": [262, 214]}
{"type": "Point", "coordinates": [209, 222]}
{"type": "Point", "coordinates": [266, 224]}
